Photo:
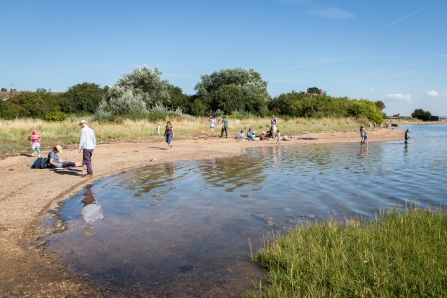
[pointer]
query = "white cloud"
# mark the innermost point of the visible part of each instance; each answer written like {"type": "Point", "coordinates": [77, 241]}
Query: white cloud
{"type": "Point", "coordinates": [371, 90]}
{"type": "Point", "coordinates": [431, 94]}
{"type": "Point", "coordinates": [333, 13]}
{"type": "Point", "coordinates": [398, 96]}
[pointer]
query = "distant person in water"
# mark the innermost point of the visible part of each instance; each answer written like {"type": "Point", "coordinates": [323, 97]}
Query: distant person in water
{"type": "Point", "coordinates": [407, 136]}
{"type": "Point", "coordinates": [362, 133]}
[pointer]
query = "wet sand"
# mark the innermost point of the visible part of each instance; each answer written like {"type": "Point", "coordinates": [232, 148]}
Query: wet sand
{"type": "Point", "coordinates": [28, 195]}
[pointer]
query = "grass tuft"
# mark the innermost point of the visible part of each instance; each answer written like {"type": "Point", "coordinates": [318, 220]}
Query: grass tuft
{"type": "Point", "coordinates": [399, 253]}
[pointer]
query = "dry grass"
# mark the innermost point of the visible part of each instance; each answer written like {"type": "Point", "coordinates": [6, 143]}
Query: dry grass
{"type": "Point", "coordinates": [14, 133]}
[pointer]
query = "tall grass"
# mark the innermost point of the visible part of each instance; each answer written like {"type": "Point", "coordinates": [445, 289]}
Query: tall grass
{"type": "Point", "coordinates": [14, 133]}
{"type": "Point", "coordinates": [397, 254]}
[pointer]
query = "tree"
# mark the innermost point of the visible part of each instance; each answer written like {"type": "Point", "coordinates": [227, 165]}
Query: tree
{"type": "Point", "coordinates": [83, 97]}
{"type": "Point", "coordinates": [313, 90]}
{"type": "Point", "coordinates": [253, 93]}
{"type": "Point", "coordinates": [421, 114]}
{"type": "Point", "coordinates": [4, 89]}
{"type": "Point", "coordinates": [148, 84]}
{"type": "Point", "coordinates": [380, 105]}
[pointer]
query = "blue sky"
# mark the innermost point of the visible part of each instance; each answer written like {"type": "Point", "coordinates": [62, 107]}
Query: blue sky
{"type": "Point", "coordinates": [394, 51]}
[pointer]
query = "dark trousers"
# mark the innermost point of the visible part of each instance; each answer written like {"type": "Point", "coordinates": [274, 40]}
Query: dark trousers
{"type": "Point", "coordinates": [87, 157]}
{"type": "Point", "coordinates": [224, 128]}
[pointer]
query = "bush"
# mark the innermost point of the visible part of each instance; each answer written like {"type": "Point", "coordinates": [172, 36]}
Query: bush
{"type": "Point", "coordinates": [55, 116]}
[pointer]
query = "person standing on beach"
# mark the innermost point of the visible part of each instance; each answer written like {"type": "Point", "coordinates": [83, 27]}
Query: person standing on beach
{"type": "Point", "coordinates": [278, 137]}
{"type": "Point", "coordinates": [169, 133]}
{"type": "Point", "coordinates": [224, 127]}
{"type": "Point", "coordinates": [157, 129]}
{"type": "Point", "coordinates": [35, 142]}
{"type": "Point", "coordinates": [273, 124]}
{"type": "Point", "coordinates": [87, 143]}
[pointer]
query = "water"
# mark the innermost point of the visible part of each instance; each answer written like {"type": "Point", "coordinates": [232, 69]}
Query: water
{"type": "Point", "coordinates": [183, 229]}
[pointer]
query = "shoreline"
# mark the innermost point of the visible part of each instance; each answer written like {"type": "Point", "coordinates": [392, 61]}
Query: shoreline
{"type": "Point", "coordinates": [30, 195]}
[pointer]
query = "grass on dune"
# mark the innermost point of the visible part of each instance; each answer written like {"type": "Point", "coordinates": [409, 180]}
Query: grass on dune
{"type": "Point", "coordinates": [14, 133]}
{"type": "Point", "coordinates": [397, 254]}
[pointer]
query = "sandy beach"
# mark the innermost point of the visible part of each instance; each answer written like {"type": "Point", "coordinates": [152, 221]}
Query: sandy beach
{"type": "Point", "coordinates": [28, 195]}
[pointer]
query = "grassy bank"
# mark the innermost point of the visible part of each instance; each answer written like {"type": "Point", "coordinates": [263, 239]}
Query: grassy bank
{"type": "Point", "coordinates": [14, 133]}
{"type": "Point", "coordinates": [397, 254]}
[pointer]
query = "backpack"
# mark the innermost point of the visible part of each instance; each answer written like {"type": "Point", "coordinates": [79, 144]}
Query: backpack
{"type": "Point", "coordinates": [40, 163]}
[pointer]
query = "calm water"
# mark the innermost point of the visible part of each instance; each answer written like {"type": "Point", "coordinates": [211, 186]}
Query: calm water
{"type": "Point", "coordinates": [183, 229]}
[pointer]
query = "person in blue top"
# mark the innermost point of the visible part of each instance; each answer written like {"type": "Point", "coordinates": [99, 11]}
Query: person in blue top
{"type": "Point", "coordinates": [56, 163]}
{"type": "Point", "coordinates": [407, 136]}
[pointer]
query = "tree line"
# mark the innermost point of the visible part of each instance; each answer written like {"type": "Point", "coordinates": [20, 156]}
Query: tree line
{"type": "Point", "coordinates": [234, 92]}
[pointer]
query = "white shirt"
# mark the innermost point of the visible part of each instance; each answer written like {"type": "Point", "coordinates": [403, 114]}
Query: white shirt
{"type": "Point", "coordinates": [87, 139]}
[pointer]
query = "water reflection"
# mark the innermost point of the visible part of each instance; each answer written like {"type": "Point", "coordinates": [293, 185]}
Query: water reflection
{"type": "Point", "coordinates": [91, 210]}
{"type": "Point", "coordinates": [184, 227]}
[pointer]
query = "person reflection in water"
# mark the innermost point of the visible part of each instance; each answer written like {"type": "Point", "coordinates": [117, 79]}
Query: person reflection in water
{"type": "Point", "coordinates": [91, 211]}
{"type": "Point", "coordinates": [170, 171]}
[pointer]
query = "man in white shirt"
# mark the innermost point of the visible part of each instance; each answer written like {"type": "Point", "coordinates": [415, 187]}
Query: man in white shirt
{"type": "Point", "coordinates": [87, 142]}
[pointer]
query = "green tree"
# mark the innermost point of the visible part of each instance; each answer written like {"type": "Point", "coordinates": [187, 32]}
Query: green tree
{"type": "Point", "coordinates": [83, 97]}
{"type": "Point", "coordinates": [178, 100]}
{"type": "Point", "coordinates": [147, 83]}
{"type": "Point", "coordinates": [313, 90]}
{"type": "Point", "coordinates": [380, 105]}
{"type": "Point", "coordinates": [252, 87]}
{"type": "Point", "coordinates": [421, 114]}
{"type": "Point", "coordinates": [230, 98]}
{"type": "Point", "coordinates": [198, 108]}
{"type": "Point", "coordinates": [4, 89]}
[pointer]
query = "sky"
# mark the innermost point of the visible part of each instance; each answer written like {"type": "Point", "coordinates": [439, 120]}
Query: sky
{"type": "Point", "coordinates": [393, 51]}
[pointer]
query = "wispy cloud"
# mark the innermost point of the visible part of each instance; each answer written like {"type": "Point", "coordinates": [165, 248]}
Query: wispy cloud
{"type": "Point", "coordinates": [396, 21]}
{"type": "Point", "coordinates": [333, 13]}
{"type": "Point", "coordinates": [399, 97]}
{"type": "Point", "coordinates": [432, 94]}
{"type": "Point", "coordinates": [371, 90]}
{"type": "Point", "coordinates": [316, 9]}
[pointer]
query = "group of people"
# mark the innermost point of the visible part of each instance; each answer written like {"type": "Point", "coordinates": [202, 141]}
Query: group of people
{"type": "Point", "coordinates": [87, 143]}
{"type": "Point", "coordinates": [212, 123]}
{"type": "Point", "coordinates": [251, 135]}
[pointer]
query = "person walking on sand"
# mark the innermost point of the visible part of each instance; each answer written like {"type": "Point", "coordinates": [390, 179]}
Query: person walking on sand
{"type": "Point", "coordinates": [212, 124]}
{"type": "Point", "coordinates": [87, 143]}
{"type": "Point", "coordinates": [169, 133]}
{"type": "Point", "coordinates": [35, 142]}
{"type": "Point", "coordinates": [224, 127]}
{"type": "Point", "coordinates": [278, 137]}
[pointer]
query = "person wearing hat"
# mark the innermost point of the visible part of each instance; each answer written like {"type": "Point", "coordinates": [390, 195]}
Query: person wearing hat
{"type": "Point", "coordinates": [56, 163]}
{"type": "Point", "coordinates": [35, 142]}
{"type": "Point", "coordinates": [406, 135]}
{"type": "Point", "coordinates": [87, 143]}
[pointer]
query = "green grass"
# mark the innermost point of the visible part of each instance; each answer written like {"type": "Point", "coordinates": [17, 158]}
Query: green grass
{"type": "Point", "coordinates": [397, 254]}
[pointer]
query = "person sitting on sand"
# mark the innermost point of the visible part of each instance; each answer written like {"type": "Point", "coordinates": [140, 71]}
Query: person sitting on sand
{"type": "Point", "coordinates": [263, 136]}
{"type": "Point", "coordinates": [250, 134]}
{"type": "Point", "coordinates": [240, 135]}
{"type": "Point", "coordinates": [56, 163]}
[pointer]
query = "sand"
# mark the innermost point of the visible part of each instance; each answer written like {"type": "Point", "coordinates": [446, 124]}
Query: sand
{"type": "Point", "coordinates": [28, 195]}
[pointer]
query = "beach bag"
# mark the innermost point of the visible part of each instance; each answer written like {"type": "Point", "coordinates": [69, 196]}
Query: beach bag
{"type": "Point", "coordinates": [40, 163]}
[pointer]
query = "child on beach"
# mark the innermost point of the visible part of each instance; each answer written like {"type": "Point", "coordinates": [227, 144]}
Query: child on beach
{"type": "Point", "coordinates": [35, 142]}
{"type": "Point", "coordinates": [157, 129]}
{"type": "Point", "coordinates": [240, 135]}
{"type": "Point", "coordinates": [365, 139]}
{"type": "Point", "coordinates": [278, 137]}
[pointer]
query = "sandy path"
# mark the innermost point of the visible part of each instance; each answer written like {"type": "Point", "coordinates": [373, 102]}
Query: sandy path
{"type": "Point", "coordinates": [26, 195]}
